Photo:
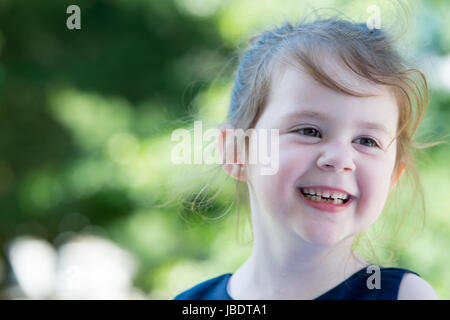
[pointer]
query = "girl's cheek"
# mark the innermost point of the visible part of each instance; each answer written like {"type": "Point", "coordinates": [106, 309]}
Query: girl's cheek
{"type": "Point", "coordinates": [297, 153]}
{"type": "Point", "coordinates": [373, 181]}
{"type": "Point", "coordinates": [294, 162]}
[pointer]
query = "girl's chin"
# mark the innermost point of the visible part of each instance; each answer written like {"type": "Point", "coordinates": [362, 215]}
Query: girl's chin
{"type": "Point", "coordinates": [321, 237]}
{"type": "Point", "coordinates": [323, 241]}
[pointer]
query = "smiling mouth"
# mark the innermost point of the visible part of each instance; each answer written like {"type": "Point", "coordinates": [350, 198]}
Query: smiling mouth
{"type": "Point", "coordinates": [320, 198]}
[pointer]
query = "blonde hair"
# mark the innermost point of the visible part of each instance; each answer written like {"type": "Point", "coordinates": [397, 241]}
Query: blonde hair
{"type": "Point", "coordinates": [369, 53]}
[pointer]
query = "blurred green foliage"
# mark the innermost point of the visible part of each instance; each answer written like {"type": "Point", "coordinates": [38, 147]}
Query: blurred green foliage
{"type": "Point", "coordinates": [86, 117]}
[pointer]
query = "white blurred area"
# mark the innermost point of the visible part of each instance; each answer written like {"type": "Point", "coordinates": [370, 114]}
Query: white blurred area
{"type": "Point", "coordinates": [436, 69]}
{"type": "Point", "coordinates": [443, 80]}
{"type": "Point", "coordinates": [84, 267]}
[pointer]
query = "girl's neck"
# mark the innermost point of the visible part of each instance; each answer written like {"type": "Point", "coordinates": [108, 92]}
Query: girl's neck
{"type": "Point", "coordinates": [265, 276]}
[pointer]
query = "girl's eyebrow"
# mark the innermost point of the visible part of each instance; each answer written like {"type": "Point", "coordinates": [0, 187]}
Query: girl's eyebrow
{"type": "Point", "coordinates": [321, 116]}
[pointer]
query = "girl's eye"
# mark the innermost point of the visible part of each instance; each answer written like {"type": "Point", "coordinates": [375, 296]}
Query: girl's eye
{"type": "Point", "coordinates": [309, 132]}
{"type": "Point", "coordinates": [312, 132]}
{"type": "Point", "coordinates": [371, 143]}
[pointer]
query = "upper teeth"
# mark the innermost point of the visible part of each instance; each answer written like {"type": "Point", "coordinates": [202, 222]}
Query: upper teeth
{"type": "Point", "coordinates": [326, 194]}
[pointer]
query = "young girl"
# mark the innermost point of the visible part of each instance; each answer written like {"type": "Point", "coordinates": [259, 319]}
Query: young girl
{"type": "Point", "coordinates": [346, 107]}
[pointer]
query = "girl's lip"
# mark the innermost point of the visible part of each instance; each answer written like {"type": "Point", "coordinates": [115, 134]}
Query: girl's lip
{"type": "Point", "coordinates": [324, 206]}
{"type": "Point", "coordinates": [326, 188]}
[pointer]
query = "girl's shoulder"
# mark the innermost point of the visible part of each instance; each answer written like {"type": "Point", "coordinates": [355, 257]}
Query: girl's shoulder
{"type": "Point", "coordinates": [413, 287]}
{"type": "Point", "coordinates": [410, 285]}
{"type": "Point", "coordinates": [372, 282]}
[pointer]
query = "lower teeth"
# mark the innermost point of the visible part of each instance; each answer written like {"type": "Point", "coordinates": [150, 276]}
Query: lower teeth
{"type": "Point", "coordinates": [320, 199]}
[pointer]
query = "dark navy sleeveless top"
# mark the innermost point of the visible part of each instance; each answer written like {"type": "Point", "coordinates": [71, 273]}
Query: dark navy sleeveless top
{"type": "Point", "coordinates": [353, 288]}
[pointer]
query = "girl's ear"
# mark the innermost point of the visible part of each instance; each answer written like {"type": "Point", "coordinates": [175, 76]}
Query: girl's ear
{"type": "Point", "coordinates": [396, 175]}
{"type": "Point", "coordinates": [228, 153]}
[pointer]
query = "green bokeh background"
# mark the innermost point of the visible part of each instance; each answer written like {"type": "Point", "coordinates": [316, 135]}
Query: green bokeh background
{"type": "Point", "coordinates": [86, 118]}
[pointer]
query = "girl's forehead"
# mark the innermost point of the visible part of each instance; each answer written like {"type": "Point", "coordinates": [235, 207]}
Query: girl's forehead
{"type": "Point", "coordinates": [296, 92]}
{"type": "Point", "coordinates": [294, 77]}
{"type": "Point", "coordinates": [300, 88]}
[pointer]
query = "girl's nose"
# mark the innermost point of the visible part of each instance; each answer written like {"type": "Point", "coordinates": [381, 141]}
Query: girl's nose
{"type": "Point", "coordinates": [336, 158]}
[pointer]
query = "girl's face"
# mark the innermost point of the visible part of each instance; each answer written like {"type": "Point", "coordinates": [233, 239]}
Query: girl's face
{"type": "Point", "coordinates": [327, 140]}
